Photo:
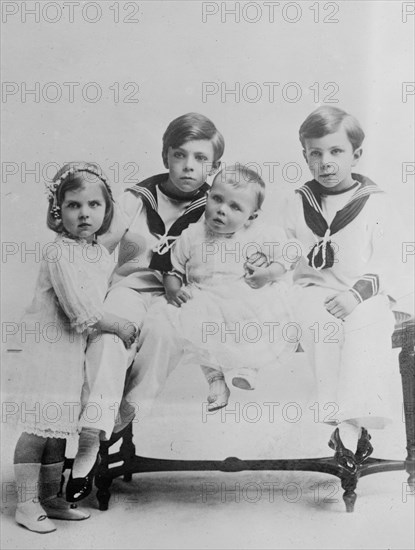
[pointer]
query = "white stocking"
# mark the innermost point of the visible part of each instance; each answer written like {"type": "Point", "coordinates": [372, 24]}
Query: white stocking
{"type": "Point", "coordinates": [86, 456]}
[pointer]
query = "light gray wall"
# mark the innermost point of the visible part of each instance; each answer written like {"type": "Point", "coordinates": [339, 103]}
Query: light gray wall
{"type": "Point", "coordinates": [175, 51]}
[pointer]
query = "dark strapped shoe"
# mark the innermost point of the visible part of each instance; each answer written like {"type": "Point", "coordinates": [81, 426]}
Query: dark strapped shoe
{"type": "Point", "coordinates": [79, 488]}
{"type": "Point", "coordinates": [343, 456]}
{"type": "Point", "coordinates": [364, 448]}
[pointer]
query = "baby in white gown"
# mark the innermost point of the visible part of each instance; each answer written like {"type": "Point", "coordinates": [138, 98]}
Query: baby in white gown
{"type": "Point", "coordinates": [228, 286]}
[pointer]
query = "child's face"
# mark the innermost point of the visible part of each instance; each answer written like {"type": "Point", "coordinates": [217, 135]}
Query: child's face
{"type": "Point", "coordinates": [331, 159]}
{"type": "Point", "coordinates": [229, 208]}
{"type": "Point", "coordinates": [189, 165]}
{"type": "Point", "coordinates": [83, 211]}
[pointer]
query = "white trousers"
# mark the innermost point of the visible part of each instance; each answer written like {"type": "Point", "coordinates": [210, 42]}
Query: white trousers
{"type": "Point", "coordinates": [160, 350]}
{"type": "Point", "coordinates": [351, 359]}
{"type": "Point", "coordinates": [107, 361]}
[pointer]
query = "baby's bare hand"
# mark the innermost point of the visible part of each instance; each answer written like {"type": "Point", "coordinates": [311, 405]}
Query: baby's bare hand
{"type": "Point", "coordinates": [341, 305]}
{"type": "Point", "coordinates": [258, 259]}
{"type": "Point", "coordinates": [177, 297]}
{"type": "Point", "coordinates": [256, 277]}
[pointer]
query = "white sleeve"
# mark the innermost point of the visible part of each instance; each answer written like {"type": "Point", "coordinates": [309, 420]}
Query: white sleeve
{"type": "Point", "coordinates": [75, 289]}
{"type": "Point", "coordinates": [126, 208]}
{"type": "Point", "coordinates": [180, 252]}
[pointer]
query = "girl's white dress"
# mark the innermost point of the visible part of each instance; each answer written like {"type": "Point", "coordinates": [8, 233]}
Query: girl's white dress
{"type": "Point", "coordinates": [69, 295]}
{"type": "Point", "coordinates": [227, 323]}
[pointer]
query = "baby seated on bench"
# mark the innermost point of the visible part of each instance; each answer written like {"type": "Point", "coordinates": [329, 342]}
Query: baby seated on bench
{"type": "Point", "coordinates": [227, 294]}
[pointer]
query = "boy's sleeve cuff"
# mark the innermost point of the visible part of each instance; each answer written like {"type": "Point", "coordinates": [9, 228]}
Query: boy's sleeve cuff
{"type": "Point", "coordinates": [177, 274]}
{"type": "Point", "coordinates": [366, 287]}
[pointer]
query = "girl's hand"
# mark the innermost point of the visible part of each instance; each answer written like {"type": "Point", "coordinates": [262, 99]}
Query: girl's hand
{"type": "Point", "coordinates": [341, 305]}
{"type": "Point", "coordinates": [128, 333]}
{"type": "Point", "coordinates": [177, 297]}
{"type": "Point", "coordinates": [257, 277]}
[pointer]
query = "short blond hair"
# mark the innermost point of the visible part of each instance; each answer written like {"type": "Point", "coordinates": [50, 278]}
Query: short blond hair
{"type": "Point", "coordinates": [239, 175]}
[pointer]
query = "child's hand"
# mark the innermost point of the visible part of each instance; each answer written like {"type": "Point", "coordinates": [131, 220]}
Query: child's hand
{"type": "Point", "coordinates": [258, 259]}
{"type": "Point", "coordinates": [341, 305]}
{"type": "Point", "coordinates": [177, 297]}
{"type": "Point", "coordinates": [128, 333]}
{"type": "Point", "coordinates": [256, 277]}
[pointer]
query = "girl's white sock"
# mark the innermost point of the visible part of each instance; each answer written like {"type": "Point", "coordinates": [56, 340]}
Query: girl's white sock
{"type": "Point", "coordinates": [86, 456]}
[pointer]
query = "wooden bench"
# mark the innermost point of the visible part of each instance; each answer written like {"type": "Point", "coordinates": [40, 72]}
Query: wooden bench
{"type": "Point", "coordinates": [403, 338]}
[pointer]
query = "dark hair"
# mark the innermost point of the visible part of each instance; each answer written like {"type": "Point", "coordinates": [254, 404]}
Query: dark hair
{"type": "Point", "coordinates": [76, 175]}
{"type": "Point", "coordinates": [192, 126]}
{"type": "Point", "coordinates": [327, 120]}
{"type": "Point", "coordinates": [239, 175]}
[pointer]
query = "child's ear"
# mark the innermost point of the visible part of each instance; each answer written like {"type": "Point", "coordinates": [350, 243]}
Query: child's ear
{"type": "Point", "coordinates": [165, 160]}
{"type": "Point", "coordinates": [357, 153]}
{"type": "Point", "coordinates": [214, 168]}
{"type": "Point", "coordinates": [305, 155]}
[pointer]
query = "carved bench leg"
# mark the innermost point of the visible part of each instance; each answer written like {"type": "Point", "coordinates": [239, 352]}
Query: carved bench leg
{"type": "Point", "coordinates": [103, 484]}
{"type": "Point", "coordinates": [127, 448]}
{"type": "Point", "coordinates": [407, 370]}
{"type": "Point", "coordinates": [102, 478]}
{"type": "Point", "coordinates": [349, 484]}
{"type": "Point", "coordinates": [346, 460]}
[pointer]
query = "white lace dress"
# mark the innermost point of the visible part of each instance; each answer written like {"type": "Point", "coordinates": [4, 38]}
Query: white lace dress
{"type": "Point", "coordinates": [69, 294]}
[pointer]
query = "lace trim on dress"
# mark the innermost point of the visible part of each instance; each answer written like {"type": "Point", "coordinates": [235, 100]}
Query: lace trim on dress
{"type": "Point", "coordinates": [86, 324]}
{"type": "Point", "coordinates": [211, 234]}
{"type": "Point", "coordinates": [47, 431]}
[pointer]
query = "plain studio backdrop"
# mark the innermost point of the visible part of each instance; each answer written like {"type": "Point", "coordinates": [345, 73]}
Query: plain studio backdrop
{"type": "Point", "coordinates": [100, 81]}
{"type": "Point", "coordinates": [104, 91]}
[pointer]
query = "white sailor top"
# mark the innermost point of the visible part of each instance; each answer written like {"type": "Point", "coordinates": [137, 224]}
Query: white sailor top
{"type": "Point", "coordinates": [146, 224]}
{"type": "Point", "coordinates": [347, 237]}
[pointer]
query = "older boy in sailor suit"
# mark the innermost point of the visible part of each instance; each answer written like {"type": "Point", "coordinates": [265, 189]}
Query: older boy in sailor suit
{"type": "Point", "coordinates": [150, 216]}
{"type": "Point", "coordinates": [342, 298]}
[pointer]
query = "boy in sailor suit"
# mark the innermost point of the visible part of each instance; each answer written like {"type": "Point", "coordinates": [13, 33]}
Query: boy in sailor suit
{"type": "Point", "coordinates": [343, 293]}
{"type": "Point", "coordinates": [150, 216]}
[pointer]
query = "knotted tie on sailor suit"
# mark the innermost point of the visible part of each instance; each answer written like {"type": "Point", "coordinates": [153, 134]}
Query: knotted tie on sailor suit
{"type": "Point", "coordinates": [148, 192]}
{"type": "Point", "coordinates": [321, 255]}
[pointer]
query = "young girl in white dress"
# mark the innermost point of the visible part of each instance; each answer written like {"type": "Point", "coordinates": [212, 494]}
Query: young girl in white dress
{"type": "Point", "coordinates": [227, 283]}
{"type": "Point", "coordinates": [67, 309]}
